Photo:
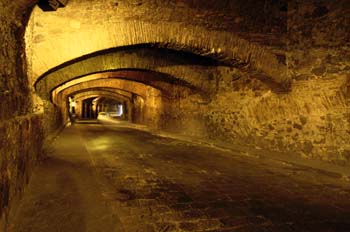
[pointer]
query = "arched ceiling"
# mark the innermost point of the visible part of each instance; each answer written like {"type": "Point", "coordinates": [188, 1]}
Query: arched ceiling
{"type": "Point", "coordinates": [59, 41]}
{"type": "Point", "coordinates": [113, 94]}
{"type": "Point", "coordinates": [140, 89]}
{"type": "Point", "coordinates": [147, 65]}
{"type": "Point", "coordinates": [101, 92]}
{"type": "Point", "coordinates": [99, 97]}
{"type": "Point", "coordinates": [139, 77]}
{"type": "Point", "coordinates": [145, 77]}
{"type": "Point", "coordinates": [108, 100]}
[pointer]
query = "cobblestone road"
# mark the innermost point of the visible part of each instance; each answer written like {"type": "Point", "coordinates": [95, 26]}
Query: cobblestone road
{"type": "Point", "coordinates": [109, 178]}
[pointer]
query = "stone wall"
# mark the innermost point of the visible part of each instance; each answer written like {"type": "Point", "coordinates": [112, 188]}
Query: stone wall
{"type": "Point", "coordinates": [52, 119]}
{"type": "Point", "coordinates": [319, 63]}
{"type": "Point", "coordinates": [311, 119]}
{"type": "Point", "coordinates": [297, 122]}
{"type": "Point", "coordinates": [21, 141]}
{"type": "Point", "coordinates": [21, 132]}
{"type": "Point", "coordinates": [13, 82]}
{"type": "Point", "coordinates": [185, 114]}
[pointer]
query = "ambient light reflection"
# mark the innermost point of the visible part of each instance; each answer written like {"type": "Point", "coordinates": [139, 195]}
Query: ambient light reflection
{"type": "Point", "coordinates": [120, 110]}
{"type": "Point", "coordinates": [101, 143]}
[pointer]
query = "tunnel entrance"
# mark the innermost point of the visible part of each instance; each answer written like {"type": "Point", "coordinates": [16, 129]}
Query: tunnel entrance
{"type": "Point", "coordinates": [94, 107]}
{"type": "Point", "coordinates": [111, 108]}
{"type": "Point", "coordinates": [88, 109]}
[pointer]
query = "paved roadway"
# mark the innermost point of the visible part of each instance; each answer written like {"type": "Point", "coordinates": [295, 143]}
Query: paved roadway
{"type": "Point", "coordinates": [100, 177]}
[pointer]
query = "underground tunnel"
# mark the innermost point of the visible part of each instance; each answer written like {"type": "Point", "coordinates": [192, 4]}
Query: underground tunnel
{"type": "Point", "coordinates": [174, 115]}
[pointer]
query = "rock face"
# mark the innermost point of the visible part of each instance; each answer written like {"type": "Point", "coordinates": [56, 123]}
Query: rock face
{"type": "Point", "coordinates": [259, 73]}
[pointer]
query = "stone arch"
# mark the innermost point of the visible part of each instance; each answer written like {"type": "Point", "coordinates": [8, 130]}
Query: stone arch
{"type": "Point", "coordinates": [157, 80]}
{"type": "Point", "coordinates": [225, 46]}
{"type": "Point", "coordinates": [145, 64]}
{"type": "Point", "coordinates": [139, 89]}
{"type": "Point", "coordinates": [102, 92]}
{"type": "Point", "coordinates": [111, 96]}
{"type": "Point", "coordinates": [142, 94]}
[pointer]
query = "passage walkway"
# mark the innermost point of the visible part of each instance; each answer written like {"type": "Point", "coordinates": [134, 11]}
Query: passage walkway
{"type": "Point", "coordinates": [108, 178]}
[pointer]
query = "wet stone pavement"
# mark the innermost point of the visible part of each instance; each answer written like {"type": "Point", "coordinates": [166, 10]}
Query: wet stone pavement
{"type": "Point", "coordinates": [121, 179]}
